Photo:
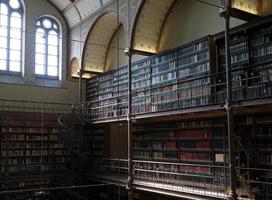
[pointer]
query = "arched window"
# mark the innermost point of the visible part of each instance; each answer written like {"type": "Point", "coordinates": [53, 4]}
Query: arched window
{"type": "Point", "coordinates": [11, 24]}
{"type": "Point", "coordinates": [47, 47]}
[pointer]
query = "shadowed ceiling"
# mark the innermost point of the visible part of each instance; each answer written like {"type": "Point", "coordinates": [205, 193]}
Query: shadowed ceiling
{"type": "Point", "coordinates": [75, 11]}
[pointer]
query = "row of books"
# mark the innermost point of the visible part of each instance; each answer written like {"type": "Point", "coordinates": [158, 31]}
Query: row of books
{"type": "Point", "coordinates": [98, 145]}
{"type": "Point", "coordinates": [142, 155]}
{"type": "Point", "coordinates": [199, 70]}
{"type": "Point", "coordinates": [188, 156]}
{"type": "Point", "coordinates": [266, 73]}
{"type": "Point", "coordinates": [236, 59]}
{"type": "Point", "coordinates": [264, 131]}
{"type": "Point", "coordinates": [12, 145]}
{"type": "Point", "coordinates": [266, 159]}
{"type": "Point", "coordinates": [195, 145]}
{"type": "Point", "coordinates": [194, 59]}
{"type": "Point", "coordinates": [186, 62]}
{"type": "Point", "coordinates": [29, 130]}
{"type": "Point", "coordinates": [259, 52]}
{"type": "Point", "coordinates": [168, 77]}
{"type": "Point", "coordinates": [165, 155]}
{"type": "Point", "coordinates": [142, 64]}
{"type": "Point", "coordinates": [265, 145]}
{"type": "Point", "coordinates": [189, 49]}
{"type": "Point", "coordinates": [29, 145]}
{"type": "Point", "coordinates": [238, 47]}
{"type": "Point", "coordinates": [179, 134]}
{"type": "Point", "coordinates": [139, 134]}
{"type": "Point", "coordinates": [37, 168]}
{"type": "Point", "coordinates": [97, 142]}
{"type": "Point", "coordinates": [29, 137]}
{"type": "Point", "coordinates": [172, 145]}
{"type": "Point", "coordinates": [166, 66]}
{"type": "Point", "coordinates": [204, 133]}
{"type": "Point", "coordinates": [150, 74]}
{"type": "Point", "coordinates": [261, 43]}
{"type": "Point", "coordinates": [13, 137]}
{"type": "Point", "coordinates": [162, 58]}
{"type": "Point", "coordinates": [164, 145]}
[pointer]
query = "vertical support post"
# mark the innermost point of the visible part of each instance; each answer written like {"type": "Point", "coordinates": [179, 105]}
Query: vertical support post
{"type": "Point", "coordinates": [80, 73]}
{"type": "Point", "coordinates": [228, 106]}
{"type": "Point", "coordinates": [128, 52]}
{"type": "Point", "coordinates": [130, 167]}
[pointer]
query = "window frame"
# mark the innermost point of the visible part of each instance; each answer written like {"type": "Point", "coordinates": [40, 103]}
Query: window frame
{"type": "Point", "coordinates": [21, 12]}
{"type": "Point", "coordinates": [46, 45]}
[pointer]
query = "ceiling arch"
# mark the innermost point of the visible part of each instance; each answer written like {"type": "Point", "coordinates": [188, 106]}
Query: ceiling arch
{"type": "Point", "coordinates": [75, 11]}
{"type": "Point", "coordinates": [149, 22]}
{"type": "Point", "coordinates": [98, 40]}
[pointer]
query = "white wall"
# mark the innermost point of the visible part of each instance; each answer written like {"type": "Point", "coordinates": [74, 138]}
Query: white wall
{"type": "Point", "coordinates": [190, 20]}
{"type": "Point", "coordinates": [116, 54]}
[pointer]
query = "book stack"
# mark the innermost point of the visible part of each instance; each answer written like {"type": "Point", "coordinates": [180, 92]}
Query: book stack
{"type": "Point", "coordinates": [193, 63]}
{"type": "Point", "coordinates": [140, 86]}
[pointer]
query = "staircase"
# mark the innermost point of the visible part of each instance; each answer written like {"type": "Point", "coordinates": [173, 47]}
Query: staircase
{"type": "Point", "coordinates": [75, 135]}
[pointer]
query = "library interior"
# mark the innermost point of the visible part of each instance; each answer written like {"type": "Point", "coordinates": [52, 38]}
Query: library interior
{"type": "Point", "coordinates": [135, 99]}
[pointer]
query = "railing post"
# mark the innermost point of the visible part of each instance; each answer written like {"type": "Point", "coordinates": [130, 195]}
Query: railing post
{"type": "Point", "coordinates": [225, 12]}
{"type": "Point", "coordinates": [128, 53]}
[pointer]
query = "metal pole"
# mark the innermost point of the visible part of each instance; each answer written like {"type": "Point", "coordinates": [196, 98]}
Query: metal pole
{"type": "Point", "coordinates": [80, 73]}
{"type": "Point", "coordinates": [128, 52]}
{"type": "Point", "coordinates": [228, 106]}
{"type": "Point", "coordinates": [130, 167]}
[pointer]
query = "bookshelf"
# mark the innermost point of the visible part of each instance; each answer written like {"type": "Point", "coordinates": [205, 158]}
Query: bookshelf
{"type": "Point", "coordinates": [239, 52]}
{"type": "Point", "coordinates": [140, 86]}
{"type": "Point", "coordinates": [192, 75]}
{"type": "Point", "coordinates": [194, 154]}
{"type": "Point", "coordinates": [26, 152]}
{"type": "Point", "coordinates": [98, 139]}
{"type": "Point", "coordinates": [250, 61]}
{"type": "Point", "coordinates": [195, 62]}
{"type": "Point", "coordinates": [107, 93]}
{"type": "Point", "coordinates": [166, 81]}
{"type": "Point", "coordinates": [181, 153]}
{"type": "Point", "coordinates": [120, 85]}
{"type": "Point", "coordinates": [178, 142]}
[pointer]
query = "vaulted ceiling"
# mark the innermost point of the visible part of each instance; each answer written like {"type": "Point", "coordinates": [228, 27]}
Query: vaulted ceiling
{"type": "Point", "coordinates": [75, 11]}
{"type": "Point", "coordinates": [98, 41]}
{"type": "Point", "coordinates": [149, 24]}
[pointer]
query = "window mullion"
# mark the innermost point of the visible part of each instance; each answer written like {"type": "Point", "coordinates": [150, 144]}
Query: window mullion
{"type": "Point", "coordinates": [58, 56]}
{"type": "Point", "coordinates": [21, 60]}
{"type": "Point", "coordinates": [8, 40]}
{"type": "Point", "coordinates": [47, 53]}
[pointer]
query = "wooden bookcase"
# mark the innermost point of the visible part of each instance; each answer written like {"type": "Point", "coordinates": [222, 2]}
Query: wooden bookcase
{"type": "Point", "coordinates": [251, 54]}
{"type": "Point", "coordinates": [26, 153]}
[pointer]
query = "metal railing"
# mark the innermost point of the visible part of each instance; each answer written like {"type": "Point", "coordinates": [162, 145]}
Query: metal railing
{"type": "Point", "coordinates": [211, 180]}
